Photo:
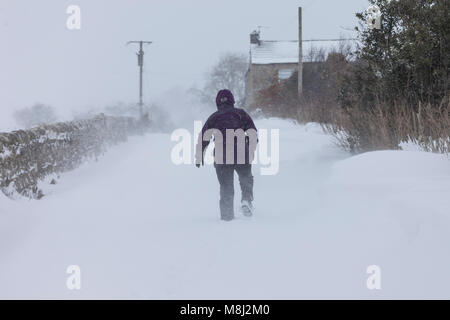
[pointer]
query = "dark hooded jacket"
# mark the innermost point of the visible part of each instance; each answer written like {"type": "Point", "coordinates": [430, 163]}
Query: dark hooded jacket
{"type": "Point", "coordinates": [227, 117]}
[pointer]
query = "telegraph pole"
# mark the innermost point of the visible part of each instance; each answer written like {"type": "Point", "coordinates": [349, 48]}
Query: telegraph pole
{"type": "Point", "coordinates": [300, 53]}
{"type": "Point", "coordinates": [140, 55]}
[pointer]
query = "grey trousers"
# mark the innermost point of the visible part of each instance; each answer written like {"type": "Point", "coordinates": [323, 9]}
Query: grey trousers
{"type": "Point", "coordinates": [225, 174]}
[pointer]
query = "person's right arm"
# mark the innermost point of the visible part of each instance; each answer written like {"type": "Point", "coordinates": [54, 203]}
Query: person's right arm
{"type": "Point", "coordinates": [251, 134]}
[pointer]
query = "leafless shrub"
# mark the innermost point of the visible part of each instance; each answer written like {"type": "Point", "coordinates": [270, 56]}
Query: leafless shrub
{"type": "Point", "coordinates": [357, 130]}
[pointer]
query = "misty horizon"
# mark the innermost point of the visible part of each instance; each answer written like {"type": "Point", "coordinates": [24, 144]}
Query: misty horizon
{"type": "Point", "coordinates": [42, 61]}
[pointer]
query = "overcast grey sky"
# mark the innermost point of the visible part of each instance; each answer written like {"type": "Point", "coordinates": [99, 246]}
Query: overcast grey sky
{"type": "Point", "coordinates": [41, 60]}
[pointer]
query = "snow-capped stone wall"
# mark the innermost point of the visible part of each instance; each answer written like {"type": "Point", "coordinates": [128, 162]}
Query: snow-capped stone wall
{"type": "Point", "coordinates": [28, 156]}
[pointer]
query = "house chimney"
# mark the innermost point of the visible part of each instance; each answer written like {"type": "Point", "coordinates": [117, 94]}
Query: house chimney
{"type": "Point", "coordinates": [254, 38]}
{"type": "Point", "coordinates": [300, 53]}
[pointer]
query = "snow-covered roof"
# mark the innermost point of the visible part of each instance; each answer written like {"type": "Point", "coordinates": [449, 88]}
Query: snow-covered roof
{"type": "Point", "coordinates": [274, 52]}
{"type": "Point", "coordinates": [270, 51]}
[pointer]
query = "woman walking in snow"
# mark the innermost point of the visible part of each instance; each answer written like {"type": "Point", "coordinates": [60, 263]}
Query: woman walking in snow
{"type": "Point", "coordinates": [235, 128]}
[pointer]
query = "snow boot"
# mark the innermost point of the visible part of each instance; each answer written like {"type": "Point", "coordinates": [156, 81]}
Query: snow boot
{"type": "Point", "coordinates": [246, 208]}
{"type": "Point", "coordinates": [226, 218]}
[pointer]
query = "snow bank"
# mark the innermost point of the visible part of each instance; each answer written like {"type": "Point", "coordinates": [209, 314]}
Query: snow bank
{"type": "Point", "coordinates": [394, 206]}
{"type": "Point", "coordinates": [404, 168]}
{"type": "Point", "coordinates": [420, 180]}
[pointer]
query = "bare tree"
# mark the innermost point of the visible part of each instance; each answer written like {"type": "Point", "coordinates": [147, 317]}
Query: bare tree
{"type": "Point", "coordinates": [228, 73]}
{"type": "Point", "coordinates": [315, 54]}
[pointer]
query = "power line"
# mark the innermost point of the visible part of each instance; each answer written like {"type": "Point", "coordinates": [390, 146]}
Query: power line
{"type": "Point", "coordinates": [348, 39]}
{"type": "Point", "coordinates": [311, 40]}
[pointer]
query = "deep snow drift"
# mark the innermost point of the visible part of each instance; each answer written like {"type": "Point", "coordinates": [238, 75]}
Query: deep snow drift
{"type": "Point", "coordinates": [141, 227]}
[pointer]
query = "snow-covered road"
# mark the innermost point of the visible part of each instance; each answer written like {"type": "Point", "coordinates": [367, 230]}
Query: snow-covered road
{"type": "Point", "coordinates": [140, 227]}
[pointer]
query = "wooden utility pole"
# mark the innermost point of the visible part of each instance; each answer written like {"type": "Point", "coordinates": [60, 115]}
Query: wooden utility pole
{"type": "Point", "coordinates": [140, 55]}
{"type": "Point", "coordinates": [300, 53]}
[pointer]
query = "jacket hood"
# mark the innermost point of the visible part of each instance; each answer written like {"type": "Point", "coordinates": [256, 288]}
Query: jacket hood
{"type": "Point", "coordinates": [224, 99]}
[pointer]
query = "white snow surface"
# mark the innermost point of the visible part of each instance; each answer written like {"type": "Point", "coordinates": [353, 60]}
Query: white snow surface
{"type": "Point", "coordinates": [140, 227]}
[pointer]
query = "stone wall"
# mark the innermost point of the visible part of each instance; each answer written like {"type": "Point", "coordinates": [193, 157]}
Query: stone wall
{"type": "Point", "coordinates": [28, 156]}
